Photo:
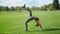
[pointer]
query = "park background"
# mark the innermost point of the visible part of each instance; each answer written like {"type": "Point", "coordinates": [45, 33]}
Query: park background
{"type": "Point", "coordinates": [13, 16]}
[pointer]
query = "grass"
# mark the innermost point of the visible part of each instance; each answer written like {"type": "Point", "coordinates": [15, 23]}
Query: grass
{"type": "Point", "coordinates": [14, 22]}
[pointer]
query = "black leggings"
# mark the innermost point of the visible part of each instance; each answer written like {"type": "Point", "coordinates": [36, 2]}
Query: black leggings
{"type": "Point", "coordinates": [30, 19]}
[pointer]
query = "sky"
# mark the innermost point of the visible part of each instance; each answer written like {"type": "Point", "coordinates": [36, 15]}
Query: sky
{"type": "Point", "coordinates": [27, 2]}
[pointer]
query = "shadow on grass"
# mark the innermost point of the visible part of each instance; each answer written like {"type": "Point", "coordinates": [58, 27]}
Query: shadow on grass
{"type": "Point", "coordinates": [47, 29]}
{"type": "Point", "coordinates": [51, 29]}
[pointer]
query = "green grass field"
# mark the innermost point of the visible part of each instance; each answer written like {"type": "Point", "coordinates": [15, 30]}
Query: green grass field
{"type": "Point", "coordinates": [14, 22]}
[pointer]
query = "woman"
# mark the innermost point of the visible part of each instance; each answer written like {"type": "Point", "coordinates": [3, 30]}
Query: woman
{"type": "Point", "coordinates": [32, 18]}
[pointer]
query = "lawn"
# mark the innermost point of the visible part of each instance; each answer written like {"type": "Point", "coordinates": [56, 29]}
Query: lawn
{"type": "Point", "coordinates": [13, 22]}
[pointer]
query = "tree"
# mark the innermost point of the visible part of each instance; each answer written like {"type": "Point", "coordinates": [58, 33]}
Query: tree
{"type": "Point", "coordinates": [7, 8]}
{"type": "Point", "coordinates": [12, 8]}
{"type": "Point", "coordinates": [0, 8]}
{"type": "Point", "coordinates": [56, 4]}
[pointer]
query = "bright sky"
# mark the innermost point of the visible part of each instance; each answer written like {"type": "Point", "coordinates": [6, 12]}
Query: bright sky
{"type": "Point", "coordinates": [27, 2]}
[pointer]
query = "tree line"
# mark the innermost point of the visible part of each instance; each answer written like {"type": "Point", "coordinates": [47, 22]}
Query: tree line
{"type": "Point", "coordinates": [12, 8]}
{"type": "Point", "coordinates": [53, 6]}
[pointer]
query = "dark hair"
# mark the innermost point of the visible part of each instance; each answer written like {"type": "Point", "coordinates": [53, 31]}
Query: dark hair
{"type": "Point", "coordinates": [36, 18]}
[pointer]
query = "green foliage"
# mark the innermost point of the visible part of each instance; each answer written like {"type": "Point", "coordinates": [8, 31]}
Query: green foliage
{"type": "Point", "coordinates": [56, 4]}
{"type": "Point", "coordinates": [49, 7]}
{"type": "Point", "coordinates": [12, 8]}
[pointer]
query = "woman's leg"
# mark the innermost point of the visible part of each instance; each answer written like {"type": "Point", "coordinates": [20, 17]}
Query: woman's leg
{"type": "Point", "coordinates": [26, 23]}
